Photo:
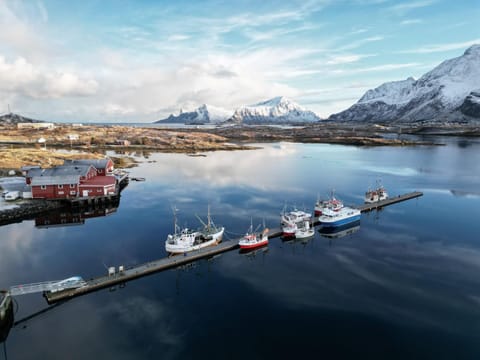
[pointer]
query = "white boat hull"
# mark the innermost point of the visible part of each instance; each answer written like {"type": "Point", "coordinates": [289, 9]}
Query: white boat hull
{"type": "Point", "coordinates": [179, 246]}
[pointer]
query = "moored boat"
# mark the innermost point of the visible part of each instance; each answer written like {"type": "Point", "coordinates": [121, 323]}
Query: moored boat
{"type": "Point", "coordinates": [305, 230]}
{"type": "Point", "coordinates": [185, 240]}
{"type": "Point", "coordinates": [295, 216]}
{"type": "Point", "coordinates": [332, 203]}
{"type": "Point", "coordinates": [376, 195]}
{"type": "Point", "coordinates": [289, 229]}
{"type": "Point", "coordinates": [252, 239]}
{"type": "Point", "coordinates": [345, 215]}
{"type": "Point", "coordinates": [5, 303]}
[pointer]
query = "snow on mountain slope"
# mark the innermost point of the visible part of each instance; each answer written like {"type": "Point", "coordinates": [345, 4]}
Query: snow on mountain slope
{"type": "Point", "coordinates": [205, 114]}
{"type": "Point", "coordinates": [437, 95]}
{"type": "Point", "coordinates": [278, 110]}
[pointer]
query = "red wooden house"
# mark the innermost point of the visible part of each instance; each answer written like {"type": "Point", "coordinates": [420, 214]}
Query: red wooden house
{"type": "Point", "coordinates": [74, 179]}
{"type": "Point", "coordinates": [104, 166]}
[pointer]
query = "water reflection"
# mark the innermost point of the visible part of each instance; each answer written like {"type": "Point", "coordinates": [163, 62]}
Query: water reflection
{"type": "Point", "coordinates": [75, 216]}
{"type": "Point", "coordinates": [340, 231]}
{"type": "Point", "coordinates": [408, 276]}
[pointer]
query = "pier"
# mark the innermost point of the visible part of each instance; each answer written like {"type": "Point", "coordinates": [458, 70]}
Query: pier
{"type": "Point", "coordinates": [122, 275]}
{"type": "Point", "coordinates": [389, 201]}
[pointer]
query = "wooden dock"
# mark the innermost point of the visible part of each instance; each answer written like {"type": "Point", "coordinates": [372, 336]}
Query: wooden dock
{"type": "Point", "coordinates": [389, 201]}
{"type": "Point", "coordinates": [121, 277]}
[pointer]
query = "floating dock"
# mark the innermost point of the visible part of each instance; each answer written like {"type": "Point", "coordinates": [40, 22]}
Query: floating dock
{"type": "Point", "coordinates": [123, 275]}
{"type": "Point", "coordinates": [389, 201]}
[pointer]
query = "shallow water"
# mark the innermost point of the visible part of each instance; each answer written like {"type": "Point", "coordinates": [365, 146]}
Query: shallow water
{"type": "Point", "coordinates": [404, 284]}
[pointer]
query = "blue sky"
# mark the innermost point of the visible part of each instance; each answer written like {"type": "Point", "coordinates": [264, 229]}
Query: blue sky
{"type": "Point", "coordinates": [139, 61]}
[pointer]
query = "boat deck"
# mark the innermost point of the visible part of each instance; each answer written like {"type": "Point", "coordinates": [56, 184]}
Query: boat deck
{"type": "Point", "coordinates": [120, 277]}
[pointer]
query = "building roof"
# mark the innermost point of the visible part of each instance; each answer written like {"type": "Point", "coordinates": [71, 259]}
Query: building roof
{"type": "Point", "coordinates": [62, 170]}
{"type": "Point", "coordinates": [100, 181]}
{"type": "Point", "coordinates": [55, 180]}
{"type": "Point", "coordinates": [97, 163]}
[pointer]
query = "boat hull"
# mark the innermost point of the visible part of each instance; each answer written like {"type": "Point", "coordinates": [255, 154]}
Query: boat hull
{"type": "Point", "coordinates": [305, 234]}
{"type": "Point", "coordinates": [327, 222]}
{"type": "Point", "coordinates": [183, 247]}
{"type": "Point", "coordinates": [253, 245]}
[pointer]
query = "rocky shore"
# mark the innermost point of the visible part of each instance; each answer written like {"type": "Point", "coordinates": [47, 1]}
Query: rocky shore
{"type": "Point", "coordinates": [27, 210]}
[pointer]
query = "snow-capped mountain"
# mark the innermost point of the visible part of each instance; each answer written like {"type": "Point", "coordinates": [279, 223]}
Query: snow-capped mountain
{"type": "Point", "coordinates": [448, 92]}
{"type": "Point", "coordinates": [278, 110]}
{"type": "Point", "coordinates": [205, 114]}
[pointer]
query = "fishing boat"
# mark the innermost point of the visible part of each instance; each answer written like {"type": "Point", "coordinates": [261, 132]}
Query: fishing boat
{"type": "Point", "coordinates": [185, 240]}
{"type": "Point", "coordinates": [5, 303]}
{"type": "Point", "coordinates": [289, 229]}
{"type": "Point", "coordinates": [332, 203]}
{"type": "Point", "coordinates": [345, 215]}
{"type": "Point", "coordinates": [305, 230]}
{"type": "Point", "coordinates": [6, 315]}
{"type": "Point", "coordinates": [376, 195]}
{"type": "Point", "coordinates": [252, 239]}
{"type": "Point", "coordinates": [295, 216]}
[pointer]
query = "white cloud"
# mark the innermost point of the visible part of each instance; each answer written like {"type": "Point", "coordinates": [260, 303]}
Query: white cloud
{"type": "Point", "coordinates": [346, 59]}
{"type": "Point", "coordinates": [441, 47]}
{"type": "Point", "coordinates": [408, 6]}
{"type": "Point", "coordinates": [25, 78]}
{"type": "Point", "coordinates": [178, 37]}
{"type": "Point", "coordinates": [411, 22]}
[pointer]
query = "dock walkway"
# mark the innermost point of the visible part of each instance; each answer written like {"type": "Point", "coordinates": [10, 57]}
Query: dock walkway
{"type": "Point", "coordinates": [389, 201]}
{"type": "Point", "coordinates": [120, 277]}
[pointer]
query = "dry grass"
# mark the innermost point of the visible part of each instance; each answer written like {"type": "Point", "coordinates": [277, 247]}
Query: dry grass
{"type": "Point", "coordinates": [16, 158]}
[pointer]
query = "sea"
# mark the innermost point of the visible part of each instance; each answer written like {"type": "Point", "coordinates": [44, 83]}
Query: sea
{"type": "Point", "coordinates": [403, 283]}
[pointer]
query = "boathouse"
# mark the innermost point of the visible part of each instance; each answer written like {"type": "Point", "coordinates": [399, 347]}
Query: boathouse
{"type": "Point", "coordinates": [85, 172]}
{"type": "Point", "coordinates": [73, 179]}
{"type": "Point", "coordinates": [104, 166]}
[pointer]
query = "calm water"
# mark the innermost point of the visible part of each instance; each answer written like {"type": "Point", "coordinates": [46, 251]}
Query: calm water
{"type": "Point", "coordinates": [405, 284]}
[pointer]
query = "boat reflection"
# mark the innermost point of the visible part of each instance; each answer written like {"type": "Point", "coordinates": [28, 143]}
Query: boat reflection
{"type": "Point", "coordinates": [74, 216]}
{"type": "Point", "coordinates": [341, 231]}
{"type": "Point", "coordinates": [6, 319]}
{"type": "Point", "coordinates": [251, 253]}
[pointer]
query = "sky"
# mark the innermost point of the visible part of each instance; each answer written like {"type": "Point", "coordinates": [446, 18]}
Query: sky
{"type": "Point", "coordinates": [141, 60]}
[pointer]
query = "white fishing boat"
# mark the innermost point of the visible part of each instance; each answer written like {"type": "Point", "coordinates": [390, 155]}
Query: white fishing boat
{"type": "Point", "coordinates": [345, 215]}
{"type": "Point", "coordinates": [5, 302]}
{"type": "Point", "coordinates": [185, 240]}
{"type": "Point", "coordinates": [376, 195]}
{"type": "Point", "coordinates": [252, 239]}
{"type": "Point", "coordinates": [305, 230]}
{"type": "Point", "coordinates": [289, 229]}
{"type": "Point", "coordinates": [332, 203]}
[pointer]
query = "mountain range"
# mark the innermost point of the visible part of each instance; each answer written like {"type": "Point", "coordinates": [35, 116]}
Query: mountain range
{"type": "Point", "coordinates": [449, 92]}
{"type": "Point", "coordinates": [278, 110]}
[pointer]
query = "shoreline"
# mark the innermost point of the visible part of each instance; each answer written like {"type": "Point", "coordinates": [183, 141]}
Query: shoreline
{"type": "Point", "coordinates": [96, 140]}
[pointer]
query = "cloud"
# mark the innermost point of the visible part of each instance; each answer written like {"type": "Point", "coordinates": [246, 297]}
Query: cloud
{"type": "Point", "coordinates": [346, 59]}
{"type": "Point", "coordinates": [178, 37]}
{"type": "Point", "coordinates": [361, 42]}
{"type": "Point", "coordinates": [23, 77]}
{"type": "Point", "coordinates": [441, 47]}
{"type": "Point", "coordinates": [411, 22]}
{"type": "Point", "coordinates": [408, 6]}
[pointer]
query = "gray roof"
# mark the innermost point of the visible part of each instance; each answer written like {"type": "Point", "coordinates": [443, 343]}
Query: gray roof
{"type": "Point", "coordinates": [55, 180]}
{"type": "Point", "coordinates": [63, 170]}
{"type": "Point", "coordinates": [97, 163]}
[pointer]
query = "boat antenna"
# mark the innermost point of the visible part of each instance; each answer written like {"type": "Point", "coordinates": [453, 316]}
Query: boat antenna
{"type": "Point", "coordinates": [174, 210]}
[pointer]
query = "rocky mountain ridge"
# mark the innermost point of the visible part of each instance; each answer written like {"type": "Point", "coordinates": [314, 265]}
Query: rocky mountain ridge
{"type": "Point", "coordinates": [449, 92]}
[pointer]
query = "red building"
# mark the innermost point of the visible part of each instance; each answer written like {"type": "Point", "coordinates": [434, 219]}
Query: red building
{"type": "Point", "coordinates": [74, 179]}
{"type": "Point", "coordinates": [104, 166]}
